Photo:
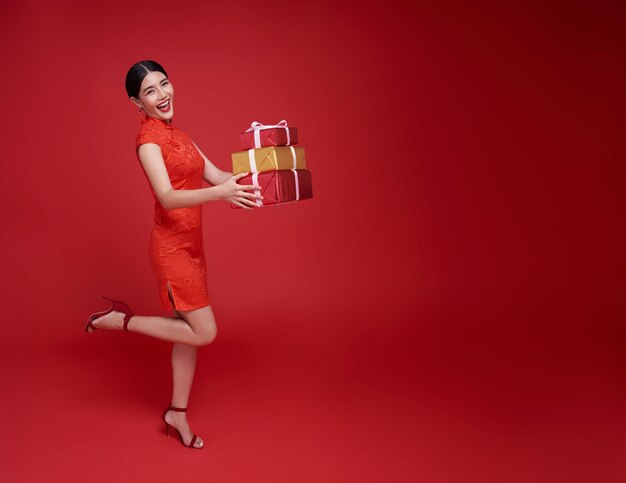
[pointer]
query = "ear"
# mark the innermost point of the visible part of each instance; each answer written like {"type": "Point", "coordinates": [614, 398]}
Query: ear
{"type": "Point", "coordinates": [135, 101]}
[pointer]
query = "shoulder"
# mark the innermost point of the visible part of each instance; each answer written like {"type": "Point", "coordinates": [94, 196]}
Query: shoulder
{"type": "Point", "coordinates": [179, 131]}
{"type": "Point", "coordinates": [180, 135]}
{"type": "Point", "coordinates": [149, 134]}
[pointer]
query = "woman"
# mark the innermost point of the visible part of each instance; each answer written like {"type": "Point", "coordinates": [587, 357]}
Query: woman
{"type": "Point", "coordinates": [174, 168]}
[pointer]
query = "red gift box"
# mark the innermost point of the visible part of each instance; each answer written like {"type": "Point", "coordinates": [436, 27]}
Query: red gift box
{"type": "Point", "coordinates": [282, 186]}
{"type": "Point", "coordinates": [259, 135]}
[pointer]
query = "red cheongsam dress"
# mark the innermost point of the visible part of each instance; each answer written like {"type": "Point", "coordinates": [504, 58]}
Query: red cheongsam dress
{"type": "Point", "coordinates": [176, 249]}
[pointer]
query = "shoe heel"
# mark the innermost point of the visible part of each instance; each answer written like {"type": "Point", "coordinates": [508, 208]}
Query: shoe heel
{"type": "Point", "coordinates": [95, 315]}
{"type": "Point", "coordinates": [118, 306]}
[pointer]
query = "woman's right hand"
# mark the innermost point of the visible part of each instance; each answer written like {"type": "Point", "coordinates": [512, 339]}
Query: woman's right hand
{"type": "Point", "coordinates": [236, 194]}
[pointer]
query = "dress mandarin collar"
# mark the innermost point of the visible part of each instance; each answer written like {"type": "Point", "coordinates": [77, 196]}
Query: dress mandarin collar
{"type": "Point", "coordinates": [145, 119]}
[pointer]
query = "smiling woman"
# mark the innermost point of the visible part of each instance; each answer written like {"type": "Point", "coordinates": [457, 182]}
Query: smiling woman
{"type": "Point", "coordinates": [175, 169]}
{"type": "Point", "coordinates": [148, 86]}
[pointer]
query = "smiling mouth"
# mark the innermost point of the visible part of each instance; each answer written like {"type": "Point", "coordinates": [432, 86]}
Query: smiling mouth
{"type": "Point", "coordinates": [165, 106]}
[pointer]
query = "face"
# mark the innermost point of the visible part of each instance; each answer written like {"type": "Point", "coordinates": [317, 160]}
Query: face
{"type": "Point", "coordinates": [156, 90]}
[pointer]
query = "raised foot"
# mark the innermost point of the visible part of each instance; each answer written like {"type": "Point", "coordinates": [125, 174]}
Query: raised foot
{"type": "Point", "coordinates": [113, 320]}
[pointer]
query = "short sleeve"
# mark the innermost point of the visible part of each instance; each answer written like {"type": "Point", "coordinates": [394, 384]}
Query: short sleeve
{"type": "Point", "coordinates": [147, 136]}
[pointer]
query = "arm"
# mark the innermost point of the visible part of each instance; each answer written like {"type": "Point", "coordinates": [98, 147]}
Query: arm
{"type": "Point", "coordinates": [154, 166]}
{"type": "Point", "coordinates": [212, 174]}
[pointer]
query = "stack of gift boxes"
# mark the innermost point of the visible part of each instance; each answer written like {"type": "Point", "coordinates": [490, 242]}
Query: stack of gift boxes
{"type": "Point", "coordinates": [274, 164]}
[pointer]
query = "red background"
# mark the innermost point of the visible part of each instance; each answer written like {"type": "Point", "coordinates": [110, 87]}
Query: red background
{"type": "Point", "coordinates": [448, 308]}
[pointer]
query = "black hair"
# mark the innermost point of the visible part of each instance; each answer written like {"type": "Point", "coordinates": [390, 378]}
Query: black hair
{"type": "Point", "coordinates": [137, 73]}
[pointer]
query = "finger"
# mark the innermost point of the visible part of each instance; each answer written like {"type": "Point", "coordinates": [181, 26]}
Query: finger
{"type": "Point", "coordinates": [248, 202]}
{"type": "Point", "coordinates": [251, 195]}
{"type": "Point", "coordinates": [241, 206]}
{"type": "Point", "coordinates": [248, 187]}
{"type": "Point", "coordinates": [238, 176]}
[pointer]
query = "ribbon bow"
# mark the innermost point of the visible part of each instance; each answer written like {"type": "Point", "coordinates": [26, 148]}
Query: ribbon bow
{"type": "Point", "coordinates": [257, 127]}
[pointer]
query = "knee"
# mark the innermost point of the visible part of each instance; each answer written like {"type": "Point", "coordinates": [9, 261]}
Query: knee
{"type": "Point", "coordinates": [207, 336]}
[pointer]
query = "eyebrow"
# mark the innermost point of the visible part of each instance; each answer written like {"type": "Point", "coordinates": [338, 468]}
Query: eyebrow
{"type": "Point", "coordinates": [153, 86]}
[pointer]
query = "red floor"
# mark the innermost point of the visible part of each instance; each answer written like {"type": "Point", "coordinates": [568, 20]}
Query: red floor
{"type": "Point", "coordinates": [424, 400]}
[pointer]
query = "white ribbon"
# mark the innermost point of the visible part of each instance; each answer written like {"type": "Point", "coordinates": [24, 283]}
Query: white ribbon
{"type": "Point", "coordinates": [295, 175]}
{"type": "Point", "coordinates": [257, 127]}
{"type": "Point", "coordinates": [255, 181]}
{"type": "Point", "coordinates": [252, 160]}
{"type": "Point", "coordinates": [255, 174]}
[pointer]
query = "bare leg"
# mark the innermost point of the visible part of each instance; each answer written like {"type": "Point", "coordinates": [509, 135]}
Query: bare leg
{"type": "Point", "coordinates": [172, 329]}
{"type": "Point", "coordinates": [191, 327]}
{"type": "Point", "coordinates": [188, 330]}
{"type": "Point", "coordinates": [183, 368]}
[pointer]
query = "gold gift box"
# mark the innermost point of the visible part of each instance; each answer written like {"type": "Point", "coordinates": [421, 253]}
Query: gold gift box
{"type": "Point", "coordinates": [269, 158]}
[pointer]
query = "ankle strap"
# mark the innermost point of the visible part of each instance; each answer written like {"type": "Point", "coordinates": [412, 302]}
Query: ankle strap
{"type": "Point", "coordinates": [127, 318]}
{"type": "Point", "coordinates": [182, 410]}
